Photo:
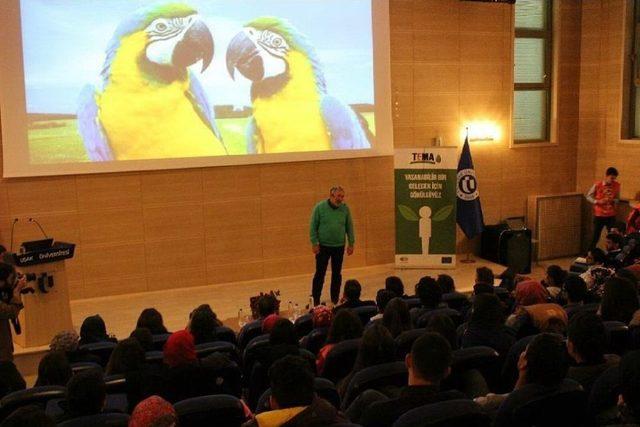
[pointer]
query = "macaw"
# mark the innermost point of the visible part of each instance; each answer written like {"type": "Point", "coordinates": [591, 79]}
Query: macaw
{"type": "Point", "coordinates": [292, 110]}
{"type": "Point", "coordinates": [148, 104]}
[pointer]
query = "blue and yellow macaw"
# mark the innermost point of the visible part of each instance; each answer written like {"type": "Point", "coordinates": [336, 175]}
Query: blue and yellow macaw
{"type": "Point", "coordinates": [291, 108]}
{"type": "Point", "coordinates": [148, 104]}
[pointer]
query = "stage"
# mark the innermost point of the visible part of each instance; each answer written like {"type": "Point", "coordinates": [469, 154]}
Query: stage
{"type": "Point", "coordinates": [121, 312]}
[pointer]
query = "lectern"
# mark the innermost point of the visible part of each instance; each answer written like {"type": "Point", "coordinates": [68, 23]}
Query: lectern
{"type": "Point", "coordinates": [46, 310]}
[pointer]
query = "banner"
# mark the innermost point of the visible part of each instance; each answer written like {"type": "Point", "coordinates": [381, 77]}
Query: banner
{"type": "Point", "coordinates": [425, 182]}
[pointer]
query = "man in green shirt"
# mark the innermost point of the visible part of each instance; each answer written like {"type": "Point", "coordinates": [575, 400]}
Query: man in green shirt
{"type": "Point", "coordinates": [330, 222]}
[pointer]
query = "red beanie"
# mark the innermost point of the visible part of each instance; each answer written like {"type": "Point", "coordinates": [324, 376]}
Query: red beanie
{"type": "Point", "coordinates": [269, 322]}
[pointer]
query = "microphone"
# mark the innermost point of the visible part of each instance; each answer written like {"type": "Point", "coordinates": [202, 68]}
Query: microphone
{"type": "Point", "coordinates": [13, 226]}
{"type": "Point", "coordinates": [39, 226]}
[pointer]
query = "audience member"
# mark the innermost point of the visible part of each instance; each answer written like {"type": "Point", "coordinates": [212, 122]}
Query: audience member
{"type": "Point", "coordinates": [614, 245]}
{"type": "Point", "coordinates": [321, 316]}
{"type": "Point", "coordinates": [267, 304]}
{"type": "Point", "coordinates": [10, 378]}
{"type": "Point", "coordinates": [202, 324]}
{"type": "Point", "coordinates": [575, 292]}
{"type": "Point", "coordinates": [597, 273]}
{"type": "Point", "coordinates": [629, 399]}
{"type": "Point", "coordinates": [93, 330]}
{"type": "Point", "coordinates": [484, 275]}
{"type": "Point", "coordinates": [68, 342]}
{"type": "Point", "coordinates": [554, 280]}
{"type": "Point", "coordinates": [351, 296]}
{"type": "Point", "coordinates": [86, 394]}
{"type": "Point", "coordinates": [428, 364]}
{"type": "Point", "coordinates": [28, 416]}
{"type": "Point", "coordinates": [377, 347]}
{"type": "Point", "coordinates": [128, 356]}
{"type": "Point", "coordinates": [154, 411]}
{"type": "Point", "coordinates": [282, 342]}
{"type": "Point", "coordinates": [542, 369]}
{"type": "Point", "coordinates": [446, 283]}
{"type": "Point", "coordinates": [396, 317]}
{"type": "Point", "coordinates": [395, 285]}
{"type": "Point", "coordinates": [586, 344]}
{"type": "Point", "coordinates": [383, 296]}
{"type": "Point", "coordinates": [151, 319]}
{"type": "Point", "coordinates": [345, 326]}
{"type": "Point", "coordinates": [443, 325]}
{"type": "Point", "coordinates": [54, 369]}
{"type": "Point", "coordinates": [486, 326]}
{"type": "Point", "coordinates": [293, 401]}
{"type": "Point", "coordinates": [144, 337]}
{"type": "Point", "coordinates": [269, 322]}
{"type": "Point", "coordinates": [619, 300]}
{"type": "Point", "coordinates": [430, 295]}
{"type": "Point", "coordinates": [533, 313]}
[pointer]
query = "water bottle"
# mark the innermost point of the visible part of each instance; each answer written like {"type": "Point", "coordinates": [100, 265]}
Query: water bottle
{"type": "Point", "coordinates": [311, 304]}
{"type": "Point", "coordinates": [290, 311]}
{"type": "Point", "coordinates": [241, 319]}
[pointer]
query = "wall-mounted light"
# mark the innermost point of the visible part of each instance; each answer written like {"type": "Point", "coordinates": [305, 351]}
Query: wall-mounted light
{"type": "Point", "coordinates": [481, 131]}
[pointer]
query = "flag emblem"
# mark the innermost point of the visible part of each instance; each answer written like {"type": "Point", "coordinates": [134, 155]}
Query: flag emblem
{"type": "Point", "coordinates": [467, 188]}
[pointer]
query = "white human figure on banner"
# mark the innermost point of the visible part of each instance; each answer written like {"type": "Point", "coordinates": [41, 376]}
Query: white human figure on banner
{"type": "Point", "coordinates": [424, 227]}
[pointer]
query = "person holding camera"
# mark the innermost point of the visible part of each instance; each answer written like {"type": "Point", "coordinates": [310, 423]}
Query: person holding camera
{"type": "Point", "coordinates": [11, 285]}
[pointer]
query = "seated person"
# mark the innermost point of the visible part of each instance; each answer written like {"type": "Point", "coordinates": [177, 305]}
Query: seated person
{"type": "Point", "coordinates": [93, 330]}
{"type": "Point", "coordinates": [86, 394]}
{"type": "Point", "coordinates": [345, 326]}
{"type": "Point", "coordinates": [382, 299]}
{"type": "Point", "coordinates": [430, 295]}
{"type": "Point", "coordinates": [575, 293]}
{"type": "Point", "coordinates": [151, 319]}
{"type": "Point", "coordinates": [68, 342]}
{"type": "Point", "coordinates": [10, 378]}
{"type": "Point", "coordinates": [293, 401]}
{"type": "Point", "coordinates": [542, 369]}
{"type": "Point", "coordinates": [282, 342]}
{"type": "Point", "coordinates": [554, 280]}
{"type": "Point", "coordinates": [53, 369]}
{"type": "Point", "coordinates": [448, 287]}
{"type": "Point", "coordinates": [395, 285]}
{"type": "Point", "coordinates": [633, 220]}
{"type": "Point", "coordinates": [533, 312]}
{"type": "Point", "coordinates": [484, 275]}
{"type": "Point", "coordinates": [396, 317]}
{"type": "Point", "coordinates": [597, 273]}
{"type": "Point", "coordinates": [586, 343]}
{"type": "Point", "coordinates": [619, 301]}
{"type": "Point", "coordinates": [486, 326]}
{"type": "Point", "coordinates": [203, 323]}
{"type": "Point", "coordinates": [351, 296]}
{"type": "Point", "coordinates": [428, 364]}
{"type": "Point", "coordinates": [629, 398]}
{"type": "Point", "coordinates": [153, 411]}
{"type": "Point", "coordinates": [614, 245]}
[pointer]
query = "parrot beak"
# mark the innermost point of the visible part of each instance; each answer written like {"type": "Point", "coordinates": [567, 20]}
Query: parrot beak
{"type": "Point", "coordinates": [197, 44]}
{"type": "Point", "coordinates": [243, 54]}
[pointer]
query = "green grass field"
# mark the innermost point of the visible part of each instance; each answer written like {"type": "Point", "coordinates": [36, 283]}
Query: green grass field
{"type": "Point", "coordinates": [58, 141]}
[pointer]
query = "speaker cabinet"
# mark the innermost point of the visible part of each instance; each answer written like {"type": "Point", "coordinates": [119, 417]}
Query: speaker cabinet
{"type": "Point", "coordinates": [511, 248]}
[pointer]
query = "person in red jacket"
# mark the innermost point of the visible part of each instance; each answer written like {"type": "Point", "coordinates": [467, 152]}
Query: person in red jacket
{"type": "Point", "coordinates": [604, 195]}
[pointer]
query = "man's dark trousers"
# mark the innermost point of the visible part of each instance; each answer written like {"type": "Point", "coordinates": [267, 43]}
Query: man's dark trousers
{"type": "Point", "coordinates": [336, 254]}
{"type": "Point", "coordinates": [600, 222]}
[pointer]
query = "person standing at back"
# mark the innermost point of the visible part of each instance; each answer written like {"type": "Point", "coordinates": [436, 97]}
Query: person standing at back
{"type": "Point", "coordinates": [604, 195]}
{"type": "Point", "coordinates": [330, 222]}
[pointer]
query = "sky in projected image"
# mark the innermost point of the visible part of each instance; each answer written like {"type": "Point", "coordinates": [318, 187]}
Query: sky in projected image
{"type": "Point", "coordinates": [65, 41]}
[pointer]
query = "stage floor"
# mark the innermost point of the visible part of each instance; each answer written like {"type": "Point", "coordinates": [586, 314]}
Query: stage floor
{"type": "Point", "coordinates": [121, 312]}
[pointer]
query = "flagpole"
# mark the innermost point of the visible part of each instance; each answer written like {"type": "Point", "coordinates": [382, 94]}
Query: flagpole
{"type": "Point", "coordinates": [468, 259]}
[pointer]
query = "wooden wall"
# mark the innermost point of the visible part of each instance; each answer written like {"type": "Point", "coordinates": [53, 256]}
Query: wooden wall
{"type": "Point", "coordinates": [451, 62]}
{"type": "Point", "coordinates": [601, 103]}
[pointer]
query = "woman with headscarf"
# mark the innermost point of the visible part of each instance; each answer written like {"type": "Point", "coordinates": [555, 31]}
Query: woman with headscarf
{"type": "Point", "coordinates": [153, 411]}
{"type": "Point", "coordinates": [533, 313]}
{"type": "Point", "coordinates": [94, 330]}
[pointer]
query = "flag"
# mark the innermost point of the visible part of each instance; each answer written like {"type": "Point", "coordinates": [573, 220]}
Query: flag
{"type": "Point", "coordinates": [469, 212]}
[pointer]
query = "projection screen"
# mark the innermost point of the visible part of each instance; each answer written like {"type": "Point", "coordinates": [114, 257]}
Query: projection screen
{"type": "Point", "coordinates": [89, 86]}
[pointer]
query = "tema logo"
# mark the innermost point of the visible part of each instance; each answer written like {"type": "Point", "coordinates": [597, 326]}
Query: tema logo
{"type": "Point", "coordinates": [425, 158]}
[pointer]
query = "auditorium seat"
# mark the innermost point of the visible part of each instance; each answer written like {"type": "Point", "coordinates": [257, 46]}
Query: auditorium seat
{"type": "Point", "coordinates": [99, 420]}
{"type": "Point", "coordinates": [392, 374]}
{"type": "Point", "coordinates": [315, 340]}
{"type": "Point", "coordinates": [413, 302]}
{"type": "Point", "coordinates": [456, 300]}
{"type": "Point", "coordinates": [365, 313]}
{"type": "Point", "coordinates": [224, 333]}
{"type": "Point", "coordinates": [159, 340]}
{"type": "Point", "coordinates": [617, 336]}
{"type": "Point", "coordinates": [450, 413]}
{"type": "Point", "coordinates": [205, 349]}
{"type": "Point", "coordinates": [154, 357]}
{"type": "Point", "coordinates": [340, 360]}
{"type": "Point", "coordinates": [454, 315]}
{"type": "Point", "coordinates": [566, 408]}
{"type": "Point", "coordinates": [101, 349]}
{"type": "Point", "coordinates": [249, 332]}
{"type": "Point", "coordinates": [115, 384]}
{"type": "Point", "coordinates": [603, 397]}
{"type": "Point", "coordinates": [217, 410]}
{"type": "Point", "coordinates": [571, 311]}
{"type": "Point", "coordinates": [322, 386]}
{"type": "Point", "coordinates": [303, 325]}
{"type": "Point", "coordinates": [84, 366]}
{"type": "Point", "coordinates": [35, 395]}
